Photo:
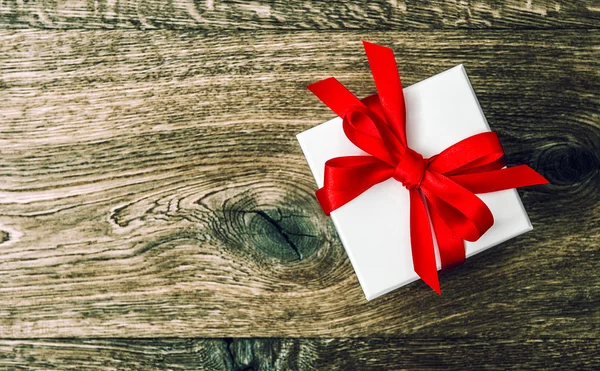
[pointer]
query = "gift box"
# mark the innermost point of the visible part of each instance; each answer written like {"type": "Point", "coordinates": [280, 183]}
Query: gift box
{"type": "Point", "coordinates": [375, 226]}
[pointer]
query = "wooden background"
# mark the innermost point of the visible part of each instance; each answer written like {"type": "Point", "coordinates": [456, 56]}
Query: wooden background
{"type": "Point", "coordinates": [156, 211]}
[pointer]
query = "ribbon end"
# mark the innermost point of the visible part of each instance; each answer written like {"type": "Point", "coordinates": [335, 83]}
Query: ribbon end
{"type": "Point", "coordinates": [319, 87]}
{"type": "Point", "coordinates": [321, 194]}
{"type": "Point", "coordinates": [333, 93]}
{"type": "Point", "coordinates": [537, 178]}
{"type": "Point", "coordinates": [430, 277]}
{"type": "Point", "coordinates": [434, 284]}
{"type": "Point", "coordinates": [371, 46]}
{"type": "Point", "coordinates": [367, 44]}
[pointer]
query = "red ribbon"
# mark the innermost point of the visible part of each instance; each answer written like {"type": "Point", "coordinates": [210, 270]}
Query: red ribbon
{"type": "Point", "coordinates": [442, 188]}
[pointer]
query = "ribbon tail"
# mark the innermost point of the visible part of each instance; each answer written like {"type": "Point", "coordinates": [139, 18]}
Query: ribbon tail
{"type": "Point", "coordinates": [450, 246]}
{"type": "Point", "coordinates": [335, 95]}
{"type": "Point", "coordinates": [422, 242]}
{"type": "Point", "coordinates": [498, 180]}
{"type": "Point", "coordinates": [387, 80]}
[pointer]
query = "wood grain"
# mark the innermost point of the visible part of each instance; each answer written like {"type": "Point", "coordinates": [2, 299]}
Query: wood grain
{"type": "Point", "coordinates": [115, 354]}
{"type": "Point", "coordinates": [300, 354]}
{"type": "Point", "coordinates": [151, 185]}
{"type": "Point", "coordinates": [304, 15]}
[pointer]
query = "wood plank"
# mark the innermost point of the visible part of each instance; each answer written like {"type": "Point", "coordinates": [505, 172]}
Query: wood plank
{"type": "Point", "coordinates": [115, 354]}
{"type": "Point", "coordinates": [305, 15]}
{"type": "Point", "coordinates": [151, 185]}
{"type": "Point", "coordinates": [300, 354]}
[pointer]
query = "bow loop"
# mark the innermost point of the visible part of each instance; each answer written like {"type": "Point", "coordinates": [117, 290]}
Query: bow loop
{"type": "Point", "coordinates": [369, 132]}
{"type": "Point", "coordinates": [469, 154]}
{"type": "Point", "coordinates": [463, 212]}
{"type": "Point", "coordinates": [347, 177]}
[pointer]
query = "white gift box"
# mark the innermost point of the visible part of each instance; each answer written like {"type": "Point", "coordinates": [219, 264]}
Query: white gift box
{"type": "Point", "coordinates": [374, 227]}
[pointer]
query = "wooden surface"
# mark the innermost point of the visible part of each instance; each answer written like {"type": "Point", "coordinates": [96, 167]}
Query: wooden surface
{"type": "Point", "coordinates": [151, 187]}
{"type": "Point", "coordinates": [300, 15]}
{"type": "Point", "coordinates": [298, 354]}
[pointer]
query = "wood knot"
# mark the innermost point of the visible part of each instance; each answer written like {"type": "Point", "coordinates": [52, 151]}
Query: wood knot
{"type": "Point", "coordinates": [268, 224]}
{"type": "Point", "coordinates": [567, 164]}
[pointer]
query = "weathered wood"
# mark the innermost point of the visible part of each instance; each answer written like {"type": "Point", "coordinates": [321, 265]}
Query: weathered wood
{"type": "Point", "coordinates": [415, 354]}
{"type": "Point", "coordinates": [115, 354]}
{"type": "Point", "coordinates": [151, 185]}
{"type": "Point", "coordinates": [290, 15]}
{"type": "Point", "coordinates": [301, 354]}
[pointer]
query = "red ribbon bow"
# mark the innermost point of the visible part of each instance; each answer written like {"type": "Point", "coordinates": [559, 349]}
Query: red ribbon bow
{"type": "Point", "coordinates": [442, 188]}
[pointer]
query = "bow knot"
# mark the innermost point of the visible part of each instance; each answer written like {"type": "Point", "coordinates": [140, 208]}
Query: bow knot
{"type": "Point", "coordinates": [441, 189]}
{"type": "Point", "coordinates": [410, 170]}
